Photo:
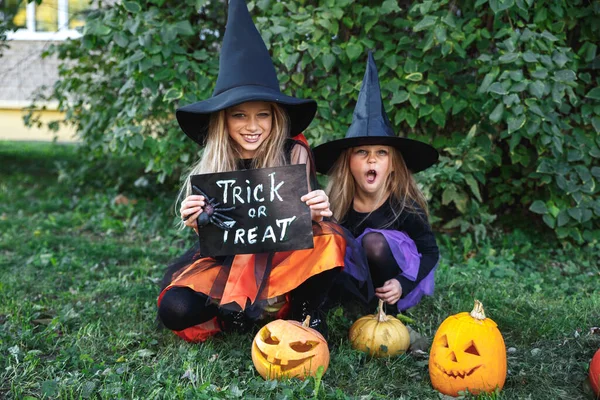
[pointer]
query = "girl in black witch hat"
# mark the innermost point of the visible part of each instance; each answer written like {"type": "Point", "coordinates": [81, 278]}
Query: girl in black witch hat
{"type": "Point", "coordinates": [248, 123]}
{"type": "Point", "coordinates": [374, 196]}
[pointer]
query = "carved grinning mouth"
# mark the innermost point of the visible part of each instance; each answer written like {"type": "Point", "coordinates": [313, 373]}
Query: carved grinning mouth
{"type": "Point", "coordinates": [457, 374]}
{"type": "Point", "coordinates": [285, 365]}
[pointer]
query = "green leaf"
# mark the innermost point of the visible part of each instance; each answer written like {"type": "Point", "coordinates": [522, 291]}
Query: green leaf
{"type": "Point", "coordinates": [594, 94]}
{"type": "Point", "coordinates": [540, 73]}
{"type": "Point", "coordinates": [120, 39]}
{"type": "Point", "coordinates": [516, 75]}
{"type": "Point", "coordinates": [514, 124]}
{"type": "Point", "coordinates": [560, 59]}
{"type": "Point", "coordinates": [510, 99]}
{"type": "Point", "coordinates": [411, 119]}
{"type": "Point", "coordinates": [421, 89]}
{"type": "Point", "coordinates": [497, 88]}
{"type": "Point", "coordinates": [354, 50]}
{"type": "Point", "coordinates": [136, 142]}
{"type": "Point", "coordinates": [496, 115]}
{"type": "Point", "coordinates": [508, 58]}
{"type": "Point", "coordinates": [298, 78]}
{"type": "Point", "coordinates": [487, 81]}
{"type": "Point", "coordinates": [291, 60]}
{"type": "Point", "coordinates": [173, 94]}
{"type": "Point", "coordinates": [184, 28]}
{"type": "Point", "coordinates": [596, 124]}
{"type": "Point", "coordinates": [410, 66]}
{"type": "Point", "coordinates": [439, 117]}
{"type": "Point", "coordinates": [576, 213]}
{"type": "Point", "coordinates": [132, 7]}
{"type": "Point", "coordinates": [548, 36]}
{"type": "Point", "coordinates": [549, 220]}
{"type": "Point", "coordinates": [565, 75]}
{"type": "Point", "coordinates": [425, 23]}
{"type": "Point", "coordinates": [415, 77]}
{"type": "Point", "coordinates": [425, 110]}
{"type": "Point", "coordinates": [536, 88]}
{"type": "Point", "coordinates": [399, 97]}
{"type": "Point", "coordinates": [389, 6]}
{"type": "Point", "coordinates": [538, 207]}
{"type": "Point", "coordinates": [530, 57]}
{"type": "Point", "coordinates": [328, 61]}
{"type": "Point", "coordinates": [562, 218]}
{"type": "Point", "coordinates": [473, 186]}
{"type": "Point", "coordinates": [440, 34]}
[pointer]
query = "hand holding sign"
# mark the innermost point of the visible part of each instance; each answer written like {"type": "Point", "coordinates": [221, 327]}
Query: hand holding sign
{"type": "Point", "coordinates": [318, 202]}
{"type": "Point", "coordinates": [261, 207]}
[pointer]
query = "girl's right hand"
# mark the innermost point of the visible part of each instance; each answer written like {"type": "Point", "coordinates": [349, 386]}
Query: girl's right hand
{"type": "Point", "coordinates": [191, 208]}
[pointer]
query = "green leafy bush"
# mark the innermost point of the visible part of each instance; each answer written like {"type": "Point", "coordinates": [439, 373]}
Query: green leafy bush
{"type": "Point", "coordinates": [507, 91]}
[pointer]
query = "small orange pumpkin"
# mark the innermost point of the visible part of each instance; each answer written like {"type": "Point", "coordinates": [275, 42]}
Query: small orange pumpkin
{"type": "Point", "coordinates": [379, 335]}
{"type": "Point", "coordinates": [467, 352]}
{"type": "Point", "coordinates": [285, 348]}
{"type": "Point", "coordinates": [595, 373]}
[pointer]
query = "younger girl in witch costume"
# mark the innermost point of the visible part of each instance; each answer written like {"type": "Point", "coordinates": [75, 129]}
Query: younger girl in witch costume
{"type": "Point", "coordinates": [248, 123]}
{"type": "Point", "coordinates": [374, 196]}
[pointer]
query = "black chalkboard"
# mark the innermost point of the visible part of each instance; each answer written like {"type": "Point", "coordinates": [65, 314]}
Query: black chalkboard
{"type": "Point", "coordinates": [257, 211]}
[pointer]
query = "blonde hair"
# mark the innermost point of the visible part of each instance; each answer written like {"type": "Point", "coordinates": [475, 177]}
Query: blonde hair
{"type": "Point", "coordinates": [400, 186]}
{"type": "Point", "coordinates": [221, 153]}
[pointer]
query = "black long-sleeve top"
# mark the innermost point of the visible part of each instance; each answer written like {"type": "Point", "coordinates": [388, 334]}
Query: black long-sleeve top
{"type": "Point", "coordinates": [413, 223]}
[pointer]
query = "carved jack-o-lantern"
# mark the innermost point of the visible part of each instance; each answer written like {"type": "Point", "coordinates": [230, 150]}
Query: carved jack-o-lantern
{"type": "Point", "coordinates": [468, 352]}
{"type": "Point", "coordinates": [595, 373]}
{"type": "Point", "coordinates": [289, 349]}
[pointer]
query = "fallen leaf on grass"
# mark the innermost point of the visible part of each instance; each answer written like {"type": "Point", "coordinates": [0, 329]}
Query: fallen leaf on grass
{"type": "Point", "coordinates": [42, 321]}
{"type": "Point", "coordinates": [189, 374]}
{"type": "Point", "coordinates": [123, 200]}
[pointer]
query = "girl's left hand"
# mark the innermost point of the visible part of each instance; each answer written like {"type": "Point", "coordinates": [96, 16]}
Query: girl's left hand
{"type": "Point", "coordinates": [390, 292]}
{"type": "Point", "coordinates": [318, 202]}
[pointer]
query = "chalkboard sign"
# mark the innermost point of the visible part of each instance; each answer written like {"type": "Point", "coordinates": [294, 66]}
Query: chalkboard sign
{"type": "Point", "coordinates": [254, 211]}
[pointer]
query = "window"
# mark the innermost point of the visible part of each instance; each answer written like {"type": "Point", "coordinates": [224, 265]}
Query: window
{"type": "Point", "coordinates": [49, 20]}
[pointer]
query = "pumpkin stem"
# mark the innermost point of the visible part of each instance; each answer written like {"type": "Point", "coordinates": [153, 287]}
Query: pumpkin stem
{"type": "Point", "coordinates": [381, 317]}
{"type": "Point", "coordinates": [306, 322]}
{"type": "Point", "coordinates": [478, 312]}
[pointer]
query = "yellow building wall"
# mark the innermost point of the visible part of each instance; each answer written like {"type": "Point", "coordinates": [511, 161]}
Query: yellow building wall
{"type": "Point", "coordinates": [13, 128]}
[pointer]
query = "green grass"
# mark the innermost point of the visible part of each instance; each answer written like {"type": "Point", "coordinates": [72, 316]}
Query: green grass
{"type": "Point", "coordinates": [78, 287]}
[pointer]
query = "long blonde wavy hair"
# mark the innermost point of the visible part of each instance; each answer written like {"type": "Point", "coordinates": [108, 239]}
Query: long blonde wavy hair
{"type": "Point", "coordinates": [221, 153]}
{"type": "Point", "coordinates": [400, 186]}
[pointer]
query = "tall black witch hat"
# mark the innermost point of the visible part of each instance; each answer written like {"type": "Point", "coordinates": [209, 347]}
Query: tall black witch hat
{"type": "Point", "coordinates": [371, 126]}
{"type": "Point", "coordinates": [246, 73]}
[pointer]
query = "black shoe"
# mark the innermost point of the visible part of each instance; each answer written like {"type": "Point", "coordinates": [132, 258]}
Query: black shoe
{"type": "Point", "coordinates": [232, 321]}
{"type": "Point", "coordinates": [318, 318]}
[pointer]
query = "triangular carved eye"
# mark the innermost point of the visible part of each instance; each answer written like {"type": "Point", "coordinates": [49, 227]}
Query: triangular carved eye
{"type": "Point", "coordinates": [444, 341]}
{"type": "Point", "coordinates": [303, 347]}
{"type": "Point", "coordinates": [472, 349]}
{"type": "Point", "coordinates": [268, 337]}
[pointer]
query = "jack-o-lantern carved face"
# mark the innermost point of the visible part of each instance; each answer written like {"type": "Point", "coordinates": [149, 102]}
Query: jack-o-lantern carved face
{"type": "Point", "coordinates": [289, 349]}
{"type": "Point", "coordinates": [467, 352]}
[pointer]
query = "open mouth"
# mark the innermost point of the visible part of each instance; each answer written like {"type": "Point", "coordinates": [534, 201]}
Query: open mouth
{"type": "Point", "coordinates": [251, 138]}
{"type": "Point", "coordinates": [371, 176]}
{"type": "Point", "coordinates": [457, 374]}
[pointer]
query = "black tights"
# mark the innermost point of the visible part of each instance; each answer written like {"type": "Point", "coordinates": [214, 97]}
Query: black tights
{"type": "Point", "coordinates": [381, 261]}
{"type": "Point", "coordinates": [182, 308]}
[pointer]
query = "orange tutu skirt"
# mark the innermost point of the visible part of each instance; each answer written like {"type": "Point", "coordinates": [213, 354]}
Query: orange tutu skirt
{"type": "Point", "coordinates": [235, 282]}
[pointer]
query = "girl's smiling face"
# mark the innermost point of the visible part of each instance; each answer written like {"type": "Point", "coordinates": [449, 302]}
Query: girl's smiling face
{"type": "Point", "coordinates": [370, 166]}
{"type": "Point", "coordinates": [249, 125]}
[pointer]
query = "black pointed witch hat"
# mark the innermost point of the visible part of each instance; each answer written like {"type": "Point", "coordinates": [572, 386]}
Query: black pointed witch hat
{"type": "Point", "coordinates": [371, 126]}
{"type": "Point", "coordinates": [246, 73]}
